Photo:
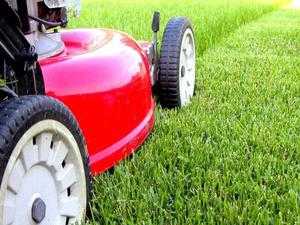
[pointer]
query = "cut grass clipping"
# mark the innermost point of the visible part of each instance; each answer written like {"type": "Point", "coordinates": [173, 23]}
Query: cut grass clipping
{"type": "Point", "coordinates": [233, 155]}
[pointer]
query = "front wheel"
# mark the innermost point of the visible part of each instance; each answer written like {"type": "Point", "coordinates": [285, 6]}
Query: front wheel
{"type": "Point", "coordinates": [176, 78]}
{"type": "Point", "coordinates": [44, 170]}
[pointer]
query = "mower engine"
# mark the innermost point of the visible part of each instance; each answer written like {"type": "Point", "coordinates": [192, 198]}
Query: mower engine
{"type": "Point", "coordinates": [39, 16]}
{"type": "Point", "coordinates": [28, 32]}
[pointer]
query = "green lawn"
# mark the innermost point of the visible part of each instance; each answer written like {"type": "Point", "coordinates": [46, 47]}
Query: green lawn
{"type": "Point", "coordinates": [233, 155]}
{"type": "Point", "coordinates": [213, 19]}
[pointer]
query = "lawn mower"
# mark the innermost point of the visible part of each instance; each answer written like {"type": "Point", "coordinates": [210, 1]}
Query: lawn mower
{"type": "Point", "coordinates": [73, 103]}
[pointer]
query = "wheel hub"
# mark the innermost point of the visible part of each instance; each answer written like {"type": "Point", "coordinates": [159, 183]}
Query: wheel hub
{"type": "Point", "coordinates": [38, 210]}
{"type": "Point", "coordinates": [182, 71]}
{"type": "Point", "coordinates": [43, 183]}
{"type": "Point", "coordinates": [187, 68]}
{"type": "Point", "coordinates": [37, 198]}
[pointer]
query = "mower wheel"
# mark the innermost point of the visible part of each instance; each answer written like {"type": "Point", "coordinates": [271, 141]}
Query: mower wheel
{"type": "Point", "coordinates": [176, 78]}
{"type": "Point", "coordinates": [44, 173]}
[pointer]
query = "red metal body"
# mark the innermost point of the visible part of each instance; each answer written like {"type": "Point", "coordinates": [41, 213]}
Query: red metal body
{"type": "Point", "coordinates": [103, 76]}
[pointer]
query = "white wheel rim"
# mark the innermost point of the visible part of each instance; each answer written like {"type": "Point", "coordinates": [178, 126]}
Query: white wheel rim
{"type": "Point", "coordinates": [46, 165]}
{"type": "Point", "coordinates": [187, 70]}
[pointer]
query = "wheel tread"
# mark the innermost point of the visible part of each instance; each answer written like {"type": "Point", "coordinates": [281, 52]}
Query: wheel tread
{"type": "Point", "coordinates": [168, 79]}
{"type": "Point", "coordinates": [14, 116]}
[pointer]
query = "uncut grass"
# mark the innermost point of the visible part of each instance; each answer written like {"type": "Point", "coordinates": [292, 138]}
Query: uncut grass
{"type": "Point", "coordinates": [231, 157]}
{"type": "Point", "coordinates": [212, 19]}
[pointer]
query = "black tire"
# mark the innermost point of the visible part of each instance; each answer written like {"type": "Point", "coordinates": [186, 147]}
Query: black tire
{"type": "Point", "coordinates": [17, 115]}
{"type": "Point", "coordinates": [169, 63]}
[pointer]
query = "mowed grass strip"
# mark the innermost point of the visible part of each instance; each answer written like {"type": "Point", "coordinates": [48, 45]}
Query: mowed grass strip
{"type": "Point", "coordinates": [231, 157]}
{"type": "Point", "coordinates": [212, 19]}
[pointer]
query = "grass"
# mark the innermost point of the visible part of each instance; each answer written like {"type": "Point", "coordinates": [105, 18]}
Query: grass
{"type": "Point", "coordinates": [2, 83]}
{"type": "Point", "coordinates": [231, 157]}
{"type": "Point", "coordinates": [212, 19]}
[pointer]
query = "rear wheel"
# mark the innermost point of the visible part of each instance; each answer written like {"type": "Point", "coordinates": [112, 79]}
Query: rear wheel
{"type": "Point", "coordinates": [176, 80]}
{"type": "Point", "coordinates": [44, 171]}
